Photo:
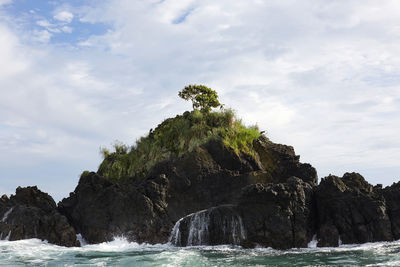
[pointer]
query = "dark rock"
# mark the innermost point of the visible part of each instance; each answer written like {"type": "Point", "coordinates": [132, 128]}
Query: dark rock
{"type": "Point", "coordinates": [31, 213]}
{"type": "Point", "coordinates": [277, 215]}
{"type": "Point", "coordinates": [281, 162]}
{"type": "Point", "coordinates": [101, 210]}
{"type": "Point", "coordinates": [350, 210]}
{"type": "Point", "coordinates": [200, 180]}
{"type": "Point", "coordinates": [228, 159]}
{"type": "Point", "coordinates": [392, 197]}
{"type": "Point", "coordinates": [145, 209]}
{"type": "Point", "coordinates": [213, 195]}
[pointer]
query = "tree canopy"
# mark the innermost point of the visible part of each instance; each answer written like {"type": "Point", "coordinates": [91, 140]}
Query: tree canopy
{"type": "Point", "coordinates": [202, 97]}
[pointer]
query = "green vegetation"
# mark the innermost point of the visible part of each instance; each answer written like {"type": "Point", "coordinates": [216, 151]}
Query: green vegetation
{"type": "Point", "coordinates": [175, 136]}
{"type": "Point", "coordinates": [201, 96]}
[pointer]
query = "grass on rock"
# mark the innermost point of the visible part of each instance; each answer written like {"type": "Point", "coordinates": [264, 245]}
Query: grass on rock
{"type": "Point", "coordinates": [175, 136]}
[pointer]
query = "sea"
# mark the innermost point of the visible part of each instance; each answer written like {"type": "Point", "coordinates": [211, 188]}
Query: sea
{"type": "Point", "coordinates": [120, 252]}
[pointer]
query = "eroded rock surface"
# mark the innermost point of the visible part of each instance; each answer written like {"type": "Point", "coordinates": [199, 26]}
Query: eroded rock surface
{"type": "Point", "coordinates": [101, 210]}
{"type": "Point", "coordinates": [278, 215]}
{"type": "Point", "coordinates": [350, 210]}
{"type": "Point", "coordinates": [213, 195]}
{"type": "Point", "coordinates": [31, 213]}
{"type": "Point", "coordinates": [147, 209]}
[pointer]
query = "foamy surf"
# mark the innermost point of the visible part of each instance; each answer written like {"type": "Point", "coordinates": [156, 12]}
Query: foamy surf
{"type": "Point", "coordinates": [120, 252]}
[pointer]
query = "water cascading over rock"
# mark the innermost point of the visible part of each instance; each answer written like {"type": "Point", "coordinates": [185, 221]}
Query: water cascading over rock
{"type": "Point", "coordinates": [214, 226]}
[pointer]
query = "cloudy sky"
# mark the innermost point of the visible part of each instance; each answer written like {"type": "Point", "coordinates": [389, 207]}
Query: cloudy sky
{"type": "Point", "coordinates": [323, 76]}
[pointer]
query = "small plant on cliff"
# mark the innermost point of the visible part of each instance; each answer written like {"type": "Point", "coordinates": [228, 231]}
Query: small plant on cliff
{"type": "Point", "coordinates": [176, 136]}
{"type": "Point", "coordinates": [201, 96]}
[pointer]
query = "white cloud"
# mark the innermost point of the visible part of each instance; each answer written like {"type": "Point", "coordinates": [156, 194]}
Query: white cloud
{"type": "Point", "coordinates": [64, 16]}
{"type": "Point", "coordinates": [42, 36]}
{"type": "Point", "coordinates": [52, 28]}
{"type": "Point", "coordinates": [10, 52]}
{"type": "Point", "coordinates": [43, 23]}
{"type": "Point", "coordinates": [305, 62]}
{"type": "Point", "coordinates": [67, 29]}
{"type": "Point", "coordinates": [321, 76]}
{"type": "Point", "coordinates": [5, 2]}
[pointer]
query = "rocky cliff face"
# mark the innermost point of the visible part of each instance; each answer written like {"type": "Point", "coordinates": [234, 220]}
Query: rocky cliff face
{"type": "Point", "coordinates": [213, 195]}
{"type": "Point", "coordinates": [100, 209]}
{"type": "Point", "coordinates": [350, 210]}
{"type": "Point", "coordinates": [147, 209]}
{"type": "Point", "coordinates": [278, 215]}
{"type": "Point", "coordinates": [31, 213]}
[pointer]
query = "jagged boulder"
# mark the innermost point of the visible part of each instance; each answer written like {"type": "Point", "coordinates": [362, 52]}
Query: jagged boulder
{"type": "Point", "coordinates": [281, 162]}
{"type": "Point", "coordinates": [100, 209]}
{"type": "Point", "coordinates": [278, 215]}
{"type": "Point", "coordinates": [350, 210]}
{"type": "Point", "coordinates": [392, 197]}
{"type": "Point", "coordinates": [31, 213]}
{"type": "Point", "coordinates": [271, 215]}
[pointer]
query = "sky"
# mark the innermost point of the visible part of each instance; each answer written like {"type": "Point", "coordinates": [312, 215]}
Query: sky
{"type": "Point", "coordinates": [320, 75]}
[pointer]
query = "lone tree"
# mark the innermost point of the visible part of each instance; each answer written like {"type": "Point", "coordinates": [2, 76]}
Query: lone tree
{"type": "Point", "coordinates": [201, 96]}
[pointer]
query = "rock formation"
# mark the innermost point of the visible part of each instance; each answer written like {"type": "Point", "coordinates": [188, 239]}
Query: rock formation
{"type": "Point", "coordinates": [210, 176]}
{"type": "Point", "coordinates": [278, 215]}
{"type": "Point", "coordinates": [213, 195]}
{"type": "Point", "coordinates": [351, 210]}
{"type": "Point", "coordinates": [31, 213]}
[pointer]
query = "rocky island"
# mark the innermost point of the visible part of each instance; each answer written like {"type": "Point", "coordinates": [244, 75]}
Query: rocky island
{"type": "Point", "coordinates": [203, 178]}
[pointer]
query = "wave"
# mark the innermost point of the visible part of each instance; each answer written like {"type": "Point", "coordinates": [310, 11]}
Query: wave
{"type": "Point", "coordinates": [121, 244]}
{"type": "Point", "coordinates": [119, 251]}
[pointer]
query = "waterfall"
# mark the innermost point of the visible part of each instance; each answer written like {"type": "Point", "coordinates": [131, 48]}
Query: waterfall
{"type": "Point", "coordinates": [313, 243]}
{"type": "Point", "coordinates": [198, 229]}
{"type": "Point", "coordinates": [175, 236]}
{"type": "Point", "coordinates": [81, 240]}
{"type": "Point", "coordinates": [237, 230]}
{"type": "Point", "coordinates": [8, 236]}
{"type": "Point", "coordinates": [218, 225]}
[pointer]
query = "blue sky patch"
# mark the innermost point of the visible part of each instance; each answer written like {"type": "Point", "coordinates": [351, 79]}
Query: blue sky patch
{"type": "Point", "coordinates": [183, 17]}
{"type": "Point", "coordinates": [57, 22]}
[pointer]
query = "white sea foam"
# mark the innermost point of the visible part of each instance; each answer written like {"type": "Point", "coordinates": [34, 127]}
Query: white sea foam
{"type": "Point", "coordinates": [8, 236]}
{"type": "Point", "coordinates": [340, 241]}
{"type": "Point", "coordinates": [81, 240]}
{"type": "Point", "coordinates": [5, 216]}
{"type": "Point", "coordinates": [37, 252]}
{"type": "Point", "coordinates": [121, 244]}
{"type": "Point", "coordinates": [313, 243]}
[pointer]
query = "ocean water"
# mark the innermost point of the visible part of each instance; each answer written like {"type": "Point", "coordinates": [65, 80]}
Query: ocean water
{"type": "Point", "coordinates": [34, 252]}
